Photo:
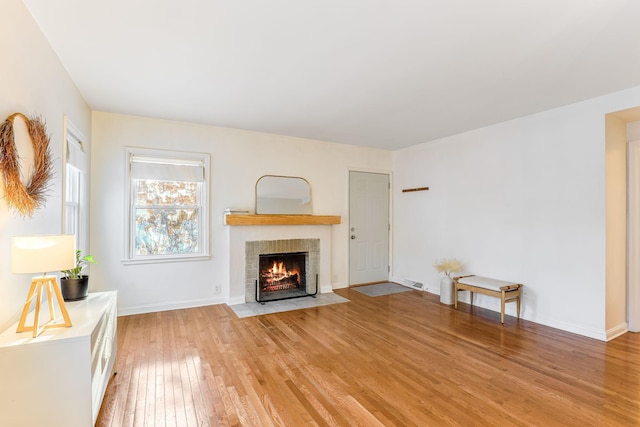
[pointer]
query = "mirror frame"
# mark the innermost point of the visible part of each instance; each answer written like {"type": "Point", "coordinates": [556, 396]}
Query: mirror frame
{"type": "Point", "coordinates": [304, 209]}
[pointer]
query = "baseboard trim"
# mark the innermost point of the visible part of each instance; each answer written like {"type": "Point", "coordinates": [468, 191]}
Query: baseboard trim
{"type": "Point", "coordinates": [493, 304]}
{"type": "Point", "coordinates": [338, 285]}
{"type": "Point", "coordinates": [597, 334]}
{"type": "Point", "coordinates": [235, 300]}
{"type": "Point", "coordinates": [326, 289]}
{"type": "Point", "coordinates": [616, 331]}
{"type": "Point", "coordinates": [607, 335]}
{"type": "Point", "coordinates": [409, 283]}
{"type": "Point", "coordinates": [152, 308]}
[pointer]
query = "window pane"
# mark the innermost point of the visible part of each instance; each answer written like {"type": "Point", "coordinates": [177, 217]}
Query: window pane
{"type": "Point", "coordinates": [167, 193]}
{"type": "Point", "coordinates": [71, 225]}
{"type": "Point", "coordinates": [167, 213]}
{"type": "Point", "coordinates": [73, 184]}
{"type": "Point", "coordinates": [166, 231]}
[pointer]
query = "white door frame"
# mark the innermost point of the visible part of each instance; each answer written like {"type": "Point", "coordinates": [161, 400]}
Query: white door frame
{"type": "Point", "coordinates": [74, 137]}
{"type": "Point", "coordinates": [633, 233]}
{"type": "Point", "coordinates": [347, 235]}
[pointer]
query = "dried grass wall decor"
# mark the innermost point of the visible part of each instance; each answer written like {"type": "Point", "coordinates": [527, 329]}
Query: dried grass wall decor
{"type": "Point", "coordinates": [25, 198]}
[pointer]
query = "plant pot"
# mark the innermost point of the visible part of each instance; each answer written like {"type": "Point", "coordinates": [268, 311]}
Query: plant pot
{"type": "Point", "coordinates": [446, 290]}
{"type": "Point", "coordinates": [74, 289]}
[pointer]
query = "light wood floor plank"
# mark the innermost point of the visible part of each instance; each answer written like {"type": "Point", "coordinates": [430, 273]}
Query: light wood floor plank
{"type": "Point", "coordinates": [396, 360]}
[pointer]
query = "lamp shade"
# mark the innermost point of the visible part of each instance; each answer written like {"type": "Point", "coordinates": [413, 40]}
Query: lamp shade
{"type": "Point", "coordinates": [42, 254]}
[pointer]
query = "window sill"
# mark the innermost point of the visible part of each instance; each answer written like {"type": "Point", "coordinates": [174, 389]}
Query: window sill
{"type": "Point", "coordinates": [164, 259]}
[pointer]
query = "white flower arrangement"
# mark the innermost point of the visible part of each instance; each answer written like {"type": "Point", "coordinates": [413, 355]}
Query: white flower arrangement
{"type": "Point", "coordinates": [448, 266]}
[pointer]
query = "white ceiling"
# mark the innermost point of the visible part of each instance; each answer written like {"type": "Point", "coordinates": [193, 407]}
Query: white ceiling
{"type": "Point", "coordinates": [379, 73]}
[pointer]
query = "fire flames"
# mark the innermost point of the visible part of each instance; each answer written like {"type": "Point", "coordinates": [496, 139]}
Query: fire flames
{"type": "Point", "coordinates": [279, 271]}
{"type": "Point", "coordinates": [279, 278]}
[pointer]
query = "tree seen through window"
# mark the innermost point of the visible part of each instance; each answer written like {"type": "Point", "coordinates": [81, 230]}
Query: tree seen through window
{"type": "Point", "coordinates": [166, 217]}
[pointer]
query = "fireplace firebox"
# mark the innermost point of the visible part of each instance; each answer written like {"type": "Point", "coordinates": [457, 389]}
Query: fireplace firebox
{"type": "Point", "coordinates": [283, 276]}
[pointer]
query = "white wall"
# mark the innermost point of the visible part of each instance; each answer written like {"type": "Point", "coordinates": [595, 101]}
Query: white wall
{"type": "Point", "coordinates": [238, 159]}
{"type": "Point", "coordinates": [32, 82]}
{"type": "Point", "coordinates": [524, 201]}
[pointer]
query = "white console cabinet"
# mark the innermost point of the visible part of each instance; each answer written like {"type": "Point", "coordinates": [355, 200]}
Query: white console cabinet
{"type": "Point", "coordinates": [59, 378]}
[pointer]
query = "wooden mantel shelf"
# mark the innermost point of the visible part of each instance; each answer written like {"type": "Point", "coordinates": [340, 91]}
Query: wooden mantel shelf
{"type": "Point", "coordinates": [244, 219]}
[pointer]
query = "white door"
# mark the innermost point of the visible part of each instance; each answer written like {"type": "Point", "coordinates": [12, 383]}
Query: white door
{"type": "Point", "coordinates": [369, 227]}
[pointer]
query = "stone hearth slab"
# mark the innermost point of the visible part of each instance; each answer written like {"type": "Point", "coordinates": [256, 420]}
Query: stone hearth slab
{"type": "Point", "coordinates": [256, 309]}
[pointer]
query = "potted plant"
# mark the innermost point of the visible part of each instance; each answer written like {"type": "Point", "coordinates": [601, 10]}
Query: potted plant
{"type": "Point", "coordinates": [73, 284]}
{"type": "Point", "coordinates": [447, 266]}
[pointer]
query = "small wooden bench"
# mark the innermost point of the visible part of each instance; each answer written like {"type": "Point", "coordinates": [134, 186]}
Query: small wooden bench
{"type": "Point", "coordinates": [506, 291]}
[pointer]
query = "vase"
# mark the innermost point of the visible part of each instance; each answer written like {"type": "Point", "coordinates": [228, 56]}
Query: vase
{"type": "Point", "coordinates": [74, 289]}
{"type": "Point", "coordinates": [446, 290]}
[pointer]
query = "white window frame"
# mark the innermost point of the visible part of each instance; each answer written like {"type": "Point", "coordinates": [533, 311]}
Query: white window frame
{"type": "Point", "coordinates": [76, 186]}
{"type": "Point", "coordinates": [162, 156]}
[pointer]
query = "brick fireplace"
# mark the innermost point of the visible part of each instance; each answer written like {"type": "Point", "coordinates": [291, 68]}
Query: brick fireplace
{"type": "Point", "coordinates": [276, 251]}
{"type": "Point", "coordinates": [243, 252]}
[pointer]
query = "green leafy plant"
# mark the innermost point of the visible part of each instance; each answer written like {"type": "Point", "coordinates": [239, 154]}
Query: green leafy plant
{"type": "Point", "coordinates": [448, 266]}
{"type": "Point", "coordinates": [81, 263]}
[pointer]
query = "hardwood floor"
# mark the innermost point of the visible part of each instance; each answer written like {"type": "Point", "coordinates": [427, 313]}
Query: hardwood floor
{"type": "Point", "coordinates": [397, 360]}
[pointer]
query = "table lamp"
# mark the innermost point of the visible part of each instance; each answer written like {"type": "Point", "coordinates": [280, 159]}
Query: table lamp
{"type": "Point", "coordinates": [43, 254]}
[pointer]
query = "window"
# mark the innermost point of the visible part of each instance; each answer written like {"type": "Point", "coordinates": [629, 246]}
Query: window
{"type": "Point", "coordinates": [167, 205]}
{"type": "Point", "coordinates": [76, 212]}
{"type": "Point", "coordinates": [72, 201]}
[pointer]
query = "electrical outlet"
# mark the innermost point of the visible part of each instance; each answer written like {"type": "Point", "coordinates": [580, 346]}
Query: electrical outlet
{"type": "Point", "coordinates": [217, 289]}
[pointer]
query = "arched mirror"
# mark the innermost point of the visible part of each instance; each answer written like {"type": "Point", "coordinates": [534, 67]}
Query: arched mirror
{"type": "Point", "coordinates": [283, 195]}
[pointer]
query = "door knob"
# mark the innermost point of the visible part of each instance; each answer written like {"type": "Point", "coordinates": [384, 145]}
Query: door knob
{"type": "Point", "coordinates": [353, 237]}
